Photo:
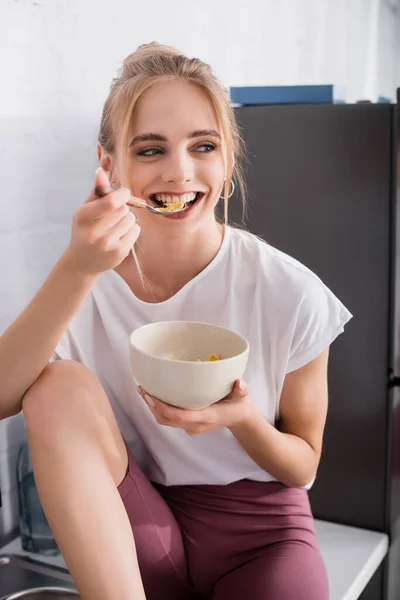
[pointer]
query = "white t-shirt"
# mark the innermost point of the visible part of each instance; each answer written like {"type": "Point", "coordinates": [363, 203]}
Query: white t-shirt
{"type": "Point", "coordinates": [283, 309]}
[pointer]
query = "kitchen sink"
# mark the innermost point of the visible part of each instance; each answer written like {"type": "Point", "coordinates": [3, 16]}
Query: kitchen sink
{"type": "Point", "coordinates": [45, 593]}
{"type": "Point", "coordinates": [24, 574]}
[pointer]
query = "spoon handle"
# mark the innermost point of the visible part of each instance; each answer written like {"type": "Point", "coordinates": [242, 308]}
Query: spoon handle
{"type": "Point", "coordinates": [135, 202]}
{"type": "Point", "coordinates": [144, 205]}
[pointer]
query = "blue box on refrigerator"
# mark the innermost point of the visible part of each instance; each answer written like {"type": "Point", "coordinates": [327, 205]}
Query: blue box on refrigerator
{"type": "Point", "coordinates": [287, 94]}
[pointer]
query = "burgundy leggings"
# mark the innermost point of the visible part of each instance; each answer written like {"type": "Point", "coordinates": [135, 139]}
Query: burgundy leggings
{"type": "Point", "coordinates": [247, 540]}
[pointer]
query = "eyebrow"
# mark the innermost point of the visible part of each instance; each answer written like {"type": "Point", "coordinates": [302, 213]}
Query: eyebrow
{"type": "Point", "coordinates": [157, 137]}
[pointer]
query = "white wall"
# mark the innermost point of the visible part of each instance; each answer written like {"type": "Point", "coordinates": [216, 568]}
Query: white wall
{"type": "Point", "coordinates": [57, 61]}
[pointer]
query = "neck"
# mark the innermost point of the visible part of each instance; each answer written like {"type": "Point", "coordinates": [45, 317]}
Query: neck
{"type": "Point", "coordinates": [171, 264]}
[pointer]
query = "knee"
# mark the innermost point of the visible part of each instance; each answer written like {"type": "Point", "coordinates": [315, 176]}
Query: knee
{"type": "Point", "coordinates": [56, 385]}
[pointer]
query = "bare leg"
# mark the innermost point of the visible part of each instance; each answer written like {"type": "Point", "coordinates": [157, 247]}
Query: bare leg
{"type": "Point", "coordinates": [79, 459]}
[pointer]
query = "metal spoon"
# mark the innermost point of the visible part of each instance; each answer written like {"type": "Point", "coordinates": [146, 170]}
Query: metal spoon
{"type": "Point", "coordinates": [157, 211]}
{"type": "Point", "coordinates": [101, 191]}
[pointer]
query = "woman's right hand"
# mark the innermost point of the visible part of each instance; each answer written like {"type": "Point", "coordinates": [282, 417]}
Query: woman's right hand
{"type": "Point", "coordinates": [104, 230]}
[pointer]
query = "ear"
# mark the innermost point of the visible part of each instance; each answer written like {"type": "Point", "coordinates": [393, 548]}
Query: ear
{"type": "Point", "coordinates": [104, 160]}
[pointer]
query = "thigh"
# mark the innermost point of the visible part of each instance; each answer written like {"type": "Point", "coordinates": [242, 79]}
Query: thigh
{"type": "Point", "coordinates": [227, 527]}
{"type": "Point", "coordinates": [66, 397]}
{"type": "Point", "coordinates": [158, 539]}
{"type": "Point", "coordinates": [288, 571]}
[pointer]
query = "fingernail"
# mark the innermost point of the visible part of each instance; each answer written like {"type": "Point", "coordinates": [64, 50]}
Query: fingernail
{"type": "Point", "coordinates": [242, 385]}
{"type": "Point", "coordinates": [98, 169]}
{"type": "Point", "coordinates": [149, 400]}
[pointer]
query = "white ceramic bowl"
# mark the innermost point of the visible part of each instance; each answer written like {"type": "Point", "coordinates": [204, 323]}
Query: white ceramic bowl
{"type": "Point", "coordinates": [186, 383]}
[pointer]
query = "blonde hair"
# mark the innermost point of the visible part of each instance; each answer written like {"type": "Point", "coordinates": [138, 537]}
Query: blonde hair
{"type": "Point", "coordinates": [154, 63]}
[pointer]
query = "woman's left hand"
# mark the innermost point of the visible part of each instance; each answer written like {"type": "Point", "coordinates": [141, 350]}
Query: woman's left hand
{"type": "Point", "coordinates": [234, 409]}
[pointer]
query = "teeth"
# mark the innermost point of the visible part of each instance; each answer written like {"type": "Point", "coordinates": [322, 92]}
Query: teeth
{"type": "Point", "coordinates": [183, 199]}
{"type": "Point", "coordinates": [171, 207]}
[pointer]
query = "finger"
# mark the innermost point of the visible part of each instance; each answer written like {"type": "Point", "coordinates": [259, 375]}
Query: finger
{"type": "Point", "coordinates": [101, 183]}
{"type": "Point", "coordinates": [163, 421]}
{"type": "Point", "coordinates": [130, 238]}
{"type": "Point", "coordinates": [173, 416]}
{"type": "Point", "coordinates": [184, 417]}
{"type": "Point", "coordinates": [123, 226]}
{"type": "Point", "coordinates": [242, 387]}
{"type": "Point", "coordinates": [176, 415]}
{"type": "Point", "coordinates": [100, 207]}
{"type": "Point", "coordinates": [158, 407]}
{"type": "Point", "coordinates": [152, 400]}
{"type": "Point", "coordinates": [152, 406]}
{"type": "Point", "coordinates": [101, 186]}
{"type": "Point", "coordinates": [239, 390]}
{"type": "Point", "coordinates": [138, 202]}
{"type": "Point", "coordinates": [110, 202]}
{"type": "Point", "coordinates": [134, 200]}
{"type": "Point", "coordinates": [148, 400]}
{"type": "Point", "coordinates": [87, 217]}
{"type": "Point", "coordinates": [146, 397]}
{"type": "Point", "coordinates": [193, 431]}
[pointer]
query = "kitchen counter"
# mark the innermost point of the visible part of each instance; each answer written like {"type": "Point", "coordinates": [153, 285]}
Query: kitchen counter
{"type": "Point", "coordinates": [351, 556]}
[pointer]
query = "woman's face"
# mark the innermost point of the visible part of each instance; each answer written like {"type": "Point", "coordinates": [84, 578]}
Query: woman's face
{"type": "Point", "coordinates": [175, 154]}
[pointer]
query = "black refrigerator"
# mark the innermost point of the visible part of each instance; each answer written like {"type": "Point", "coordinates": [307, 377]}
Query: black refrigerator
{"type": "Point", "coordinates": [323, 187]}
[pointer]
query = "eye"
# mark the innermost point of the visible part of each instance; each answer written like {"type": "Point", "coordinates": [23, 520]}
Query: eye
{"type": "Point", "coordinates": [149, 152]}
{"type": "Point", "coordinates": [207, 147]}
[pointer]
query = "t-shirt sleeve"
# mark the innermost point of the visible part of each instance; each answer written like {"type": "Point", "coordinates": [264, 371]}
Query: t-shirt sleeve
{"type": "Point", "coordinates": [66, 349]}
{"type": "Point", "coordinates": [73, 342]}
{"type": "Point", "coordinates": [320, 318]}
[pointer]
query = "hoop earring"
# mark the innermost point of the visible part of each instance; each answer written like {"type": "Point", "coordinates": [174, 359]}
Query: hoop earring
{"type": "Point", "coordinates": [232, 190]}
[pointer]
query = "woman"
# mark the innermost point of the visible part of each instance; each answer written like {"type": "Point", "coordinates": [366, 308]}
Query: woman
{"type": "Point", "coordinates": [216, 499]}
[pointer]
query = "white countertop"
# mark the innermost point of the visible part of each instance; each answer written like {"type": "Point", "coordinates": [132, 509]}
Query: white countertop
{"type": "Point", "coordinates": [351, 557]}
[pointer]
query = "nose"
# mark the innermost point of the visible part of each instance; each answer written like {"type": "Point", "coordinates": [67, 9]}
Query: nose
{"type": "Point", "coordinates": [179, 168]}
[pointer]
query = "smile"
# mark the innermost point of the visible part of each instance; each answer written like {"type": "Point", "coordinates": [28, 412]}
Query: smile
{"type": "Point", "coordinates": [171, 202]}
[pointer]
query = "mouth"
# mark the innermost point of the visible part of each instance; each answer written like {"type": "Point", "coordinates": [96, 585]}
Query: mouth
{"type": "Point", "coordinates": [171, 202]}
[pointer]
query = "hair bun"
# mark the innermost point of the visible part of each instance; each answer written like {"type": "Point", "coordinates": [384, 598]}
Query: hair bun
{"type": "Point", "coordinates": [152, 49]}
